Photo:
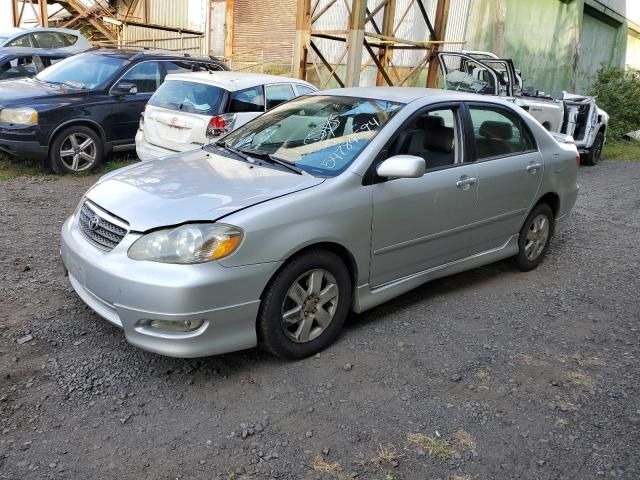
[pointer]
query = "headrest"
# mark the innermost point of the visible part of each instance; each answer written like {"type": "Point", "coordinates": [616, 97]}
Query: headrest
{"type": "Point", "coordinates": [427, 122]}
{"type": "Point", "coordinates": [439, 139]}
{"type": "Point", "coordinates": [496, 130]}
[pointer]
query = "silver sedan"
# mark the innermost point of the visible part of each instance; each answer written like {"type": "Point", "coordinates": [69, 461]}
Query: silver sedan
{"type": "Point", "coordinates": [330, 203]}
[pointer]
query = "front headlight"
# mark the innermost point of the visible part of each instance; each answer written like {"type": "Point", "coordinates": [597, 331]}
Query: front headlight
{"type": "Point", "coordinates": [19, 116]}
{"type": "Point", "coordinates": [187, 244]}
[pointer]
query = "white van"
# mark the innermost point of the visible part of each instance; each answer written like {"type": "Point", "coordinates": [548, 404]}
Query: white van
{"type": "Point", "coordinates": [190, 110]}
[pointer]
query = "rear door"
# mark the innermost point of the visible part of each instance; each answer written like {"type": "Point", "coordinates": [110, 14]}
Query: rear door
{"type": "Point", "coordinates": [510, 169]}
{"type": "Point", "coordinates": [246, 104]}
{"type": "Point", "coordinates": [467, 74]}
{"type": "Point", "coordinates": [177, 115]}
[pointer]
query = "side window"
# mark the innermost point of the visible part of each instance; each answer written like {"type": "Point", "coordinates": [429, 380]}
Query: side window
{"type": "Point", "coordinates": [303, 89]}
{"type": "Point", "coordinates": [277, 94]}
{"type": "Point", "coordinates": [47, 40]}
{"type": "Point", "coordinates": [18, 67]}
{"type": "Point", "coordinates": [498, 132]}
{"type": "Point", "coordinates": [23, 41]}
{"type": "Point", "coordinates": [432, 136]}
{"type": "Point", "coordinates": [248, 100]}
{"type": "Point", "coordinates": [68, 39]}
{"type": "Point", "coordinates": [179, 67]}
{"type": "Point", "coordinates": [145, 75]}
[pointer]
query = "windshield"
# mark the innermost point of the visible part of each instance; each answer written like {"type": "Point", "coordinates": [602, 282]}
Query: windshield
{"type": "Point", "coordinates": [84, 71]}
{"type": "Point", "coordinates": [189, 97]}
{"type": "Point", "coordinates": [319, 134]}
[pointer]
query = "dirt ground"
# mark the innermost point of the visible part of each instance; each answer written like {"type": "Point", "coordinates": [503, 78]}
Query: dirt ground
{"type": "Point", "coordinates": [490, 374]}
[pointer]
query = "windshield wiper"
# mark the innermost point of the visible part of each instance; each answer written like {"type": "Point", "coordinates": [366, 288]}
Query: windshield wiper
{"type": "Point", "coordinates": [272, 159]}
{"type": "Point", "coordinates": [237, 152]}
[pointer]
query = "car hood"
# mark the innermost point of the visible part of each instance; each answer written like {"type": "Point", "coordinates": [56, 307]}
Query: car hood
{"type": "Point", "coordinates": [194, 186]}
{"type": "Point", "coordinates": [28, 88]}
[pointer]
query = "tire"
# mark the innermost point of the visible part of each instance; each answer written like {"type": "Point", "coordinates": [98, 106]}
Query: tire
{"type": "Point", "coordinates": [534, 238]}
{"type": "Point", "coordinates": [595, 152]}
{"type": "Point", "coordinates": [76, 149]}
{"type": "Point", "coordinates": [314, 330]}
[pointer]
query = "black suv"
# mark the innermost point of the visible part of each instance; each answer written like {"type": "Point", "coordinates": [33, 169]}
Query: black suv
{"type": "Point", "coordinates": [82, 108]}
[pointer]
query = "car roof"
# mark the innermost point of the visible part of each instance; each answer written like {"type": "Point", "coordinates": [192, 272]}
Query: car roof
{"type": "Point", "coordinates": [234, 81]}
{"type": "Point", "coordinates": [410, 94]}
{"type": "Point", "coordinates": [145, 54]}
{"type": "Point", "coordinates": [17, 30]}
{"type": "Point", "coordinates": [43, 52]}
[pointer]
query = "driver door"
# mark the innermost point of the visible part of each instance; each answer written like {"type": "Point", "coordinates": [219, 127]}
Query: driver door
{"type": "Point", "coordinates": [422, 223]}
{"type": "Point", "coordinates": [467, 74]}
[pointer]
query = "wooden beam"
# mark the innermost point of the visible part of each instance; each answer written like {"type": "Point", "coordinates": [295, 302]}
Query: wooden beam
{"type": "Point", "coordinates": [43, 13]}
{"type": "Point", "coordinates": [15, 13]}
{"type": "Point", "coordinates": [326, 64]}
{"type": "Point", "coordinates": [385, 54]}
{"type": "Point", "coordinates": [228, 29]}
{"type": "Point", "coordinates": [355, 42]}
{"type": "Point", "coordinates": [440, 28]}
{"type": "Point", "coordinates": [303, 39]}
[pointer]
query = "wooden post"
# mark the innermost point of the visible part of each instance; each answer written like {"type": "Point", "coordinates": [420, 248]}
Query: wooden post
{"type": "Point", "coordinates": [303, 39]}
{"type": "Point", "coordinates": [355, 42]}
{"type": "Point", "coordinates": [43, 13]}
{"type": "Point", "coordinates": [385, 53]}
{"type": "Point", "coordinates": [228, 30]}
{"type": "Point", "coordinates": [207, 29]}
{"type": "Point", "coordinates": [440, 29]}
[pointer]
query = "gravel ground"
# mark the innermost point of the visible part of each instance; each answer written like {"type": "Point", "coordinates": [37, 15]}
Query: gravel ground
{"type": "Point", "coordinates": [489, 374]}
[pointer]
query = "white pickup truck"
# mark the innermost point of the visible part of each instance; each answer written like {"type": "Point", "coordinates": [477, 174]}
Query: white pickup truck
{"type": "Point", "coordinates": [565, 113]}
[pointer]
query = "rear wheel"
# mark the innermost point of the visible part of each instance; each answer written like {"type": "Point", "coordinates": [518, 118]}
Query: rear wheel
{"type": "Point", "coordinates": [305, 305]}
{"type": "Point", "coordinates": [76, 149]}
{"type": "Point", "coordinates": [534, 238]}
{"type": "Point", "coordinates": [595, 152]}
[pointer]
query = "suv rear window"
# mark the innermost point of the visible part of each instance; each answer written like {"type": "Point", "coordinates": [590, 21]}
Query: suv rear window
{"type": "Point", "coordinates": [189, 97]}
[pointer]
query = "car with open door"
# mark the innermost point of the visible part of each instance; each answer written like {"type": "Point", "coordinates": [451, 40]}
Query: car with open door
{"type": "Point", "coordinates": [333, 202]}
{"type": "Point", "coordinates": [577, 116]}
{"type": "Point", "coordinates": [190, 110]}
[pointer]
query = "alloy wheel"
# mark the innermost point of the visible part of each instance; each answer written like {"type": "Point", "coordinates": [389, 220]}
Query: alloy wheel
{"type": "Point", "coordinates": [310, 305]}
{"type": "Point", "coordinates": [78, 152]}
{"type": "Point", "coordinates": [537, 237]}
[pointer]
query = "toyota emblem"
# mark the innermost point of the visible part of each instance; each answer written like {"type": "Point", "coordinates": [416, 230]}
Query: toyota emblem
{"type": "Point", "coordinates": [94, 222]}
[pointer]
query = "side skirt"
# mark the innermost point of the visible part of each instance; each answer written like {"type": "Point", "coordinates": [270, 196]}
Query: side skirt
{"type": "Point", "coordinates": [367, 297]}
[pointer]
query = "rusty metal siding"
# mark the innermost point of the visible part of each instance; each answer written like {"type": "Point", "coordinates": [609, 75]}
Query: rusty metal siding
{"type": "Point", "coordinates": [186, 14]}
{"type": "Point", "coordinates": [264, 30]}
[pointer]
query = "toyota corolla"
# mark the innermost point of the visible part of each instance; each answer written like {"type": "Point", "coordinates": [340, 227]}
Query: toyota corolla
{"type": "Point", "coordinates": [330, 203]}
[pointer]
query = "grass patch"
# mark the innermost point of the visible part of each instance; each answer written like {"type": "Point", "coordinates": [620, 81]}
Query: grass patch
{"type": "Point", "coordinates": [460, 477]}
{"type": "Point", "coordinates": [385, 455]}
{"type": "Point", "coordinates": [11, 168]}
{"type": "Point", "coordinates": [483, 376]}
{"type": "Point", "coordinates": [321, 465]}
{"type": "Point", "coordinates": [621, 150]}
{"type": "Point", "coordinates": [579, 378]}
{"type": "Point", "coordinates": [436, 447]}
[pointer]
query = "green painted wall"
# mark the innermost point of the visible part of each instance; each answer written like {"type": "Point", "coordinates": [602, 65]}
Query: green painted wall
{"type": "Point", "coordinates": [544, 39]}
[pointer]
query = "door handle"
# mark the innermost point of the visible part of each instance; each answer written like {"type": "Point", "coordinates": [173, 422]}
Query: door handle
{"type": "Point", "coordinates": [465, 183]}
{"type": "Point", "coordinates": [534, 167]}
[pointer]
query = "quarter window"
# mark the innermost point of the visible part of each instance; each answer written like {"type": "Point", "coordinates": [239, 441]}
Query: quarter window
{"type": "Point", "coordinates": [248, 100]}
{"type": "Point", "coordinates": [145, 75]}
{"type": "Point", "coordinates": [303, 89]}
{"type": "Point", "coordinates": [68, 39]}
{"type": "Point", "coordinates": [277, 94]}
{"type": "Point", "coordinates": [498, 133]}
{"type": "Point", "coordinates": [432, 136]}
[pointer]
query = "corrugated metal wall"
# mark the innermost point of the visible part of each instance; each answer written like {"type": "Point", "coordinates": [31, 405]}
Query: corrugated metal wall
{"type": "Point", "coordinates": [633, 50]}
{"type": "Point", "coordinates": [135, 36]}
{"type": "Point", "coordinates": [187, 14]}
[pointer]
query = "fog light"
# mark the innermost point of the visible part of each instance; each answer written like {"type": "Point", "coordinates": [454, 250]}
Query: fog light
{"type": "Point", "coordinates": [177, 325]}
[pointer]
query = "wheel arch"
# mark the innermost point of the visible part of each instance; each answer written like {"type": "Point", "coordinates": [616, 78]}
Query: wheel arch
{"type": "Point", "coordinates": [84, 122]}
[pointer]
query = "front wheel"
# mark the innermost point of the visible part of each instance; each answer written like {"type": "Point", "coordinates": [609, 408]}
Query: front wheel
{"type": "Point", "coordinates": [534, 238]}
{"type": "Point", "coordinates": [595, 152]}
{"type": "Point", "coordinates": [305, 305]}
{"type": "Point", "coordinates": [76, 149]}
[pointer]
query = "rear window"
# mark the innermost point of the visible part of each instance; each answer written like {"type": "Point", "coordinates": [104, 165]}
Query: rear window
{"type": "Point", "coordinates": [189, 97]}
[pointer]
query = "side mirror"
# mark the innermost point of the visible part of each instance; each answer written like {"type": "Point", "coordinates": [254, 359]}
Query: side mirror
{"type": "Point", "coordinates": [124, 88]}
{"type": "Point", "coordinates": [402, 166]}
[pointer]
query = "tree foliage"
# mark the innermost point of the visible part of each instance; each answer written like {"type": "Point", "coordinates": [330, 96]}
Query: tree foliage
{"type": "Point", "coordinates": [618, 94]}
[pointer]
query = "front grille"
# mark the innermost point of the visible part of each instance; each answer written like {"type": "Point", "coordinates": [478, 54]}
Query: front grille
{"type": "Point", "coordinates": [100, 231]}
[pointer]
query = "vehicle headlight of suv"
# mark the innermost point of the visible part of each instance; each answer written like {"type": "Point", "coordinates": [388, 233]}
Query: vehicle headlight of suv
{"type": "Point", "coordinates": [188, 244]}
{"type": "Point", "coordinates": [19, 116]}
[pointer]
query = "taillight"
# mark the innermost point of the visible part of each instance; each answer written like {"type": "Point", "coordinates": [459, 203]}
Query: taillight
{"type": "Point", "coordinates": [578, 159]}
{"type": "Point", "coordinates": [220, 124]}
